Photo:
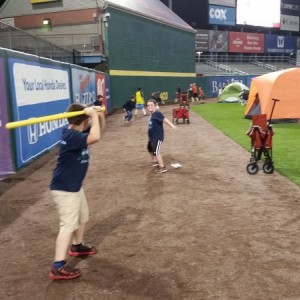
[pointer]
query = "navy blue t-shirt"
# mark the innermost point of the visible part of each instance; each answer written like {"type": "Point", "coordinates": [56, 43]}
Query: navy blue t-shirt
{"type": "Point", "coordinates": [72, 163]}
{"type": "Point", "coordinates": [155, 126]}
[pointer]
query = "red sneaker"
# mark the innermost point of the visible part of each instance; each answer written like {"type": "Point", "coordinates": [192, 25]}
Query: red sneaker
{"type": "Point", "coordinates": [79, 250]}
{"type": "Point", "coordinates": [64, 272]}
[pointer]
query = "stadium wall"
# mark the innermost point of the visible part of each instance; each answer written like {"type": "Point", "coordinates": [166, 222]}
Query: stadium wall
{"type": "Point", "coordinates": [32, 87]}
{"type": "Point", "coordinates": [146, 53]}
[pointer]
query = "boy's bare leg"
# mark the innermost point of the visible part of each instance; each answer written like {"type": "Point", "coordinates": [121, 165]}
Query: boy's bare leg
{"type": "Point", "coordinates": [153, 157]}
{"type": "Point", "coordinates": [78, 235]}
{"type": "Point", "coordinates": [160, 161]}
{"type": "Point", "coordinates": [63, 241]}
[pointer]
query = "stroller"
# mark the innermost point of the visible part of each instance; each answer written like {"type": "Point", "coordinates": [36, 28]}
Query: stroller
{"type": "Point", "coordinates": [261, 133]}
{"type": "Point", "coordinates": [182, 112]}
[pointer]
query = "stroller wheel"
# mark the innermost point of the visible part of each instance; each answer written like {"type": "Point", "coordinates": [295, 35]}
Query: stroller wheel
{"type": "Point", "coordinates": [188, 121]}
{"type": "Point", "coordinates": [252, 168]}
{"type": "Point", "coordinates": [268, 167]}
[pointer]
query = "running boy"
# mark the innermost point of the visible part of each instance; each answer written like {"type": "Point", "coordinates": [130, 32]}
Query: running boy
{"type": "Point", "coordinates": [156, 135]}
{"type": "Point", "coordinates": [66, 188]}
{"type": "Point", "coordinates": [128, 107]}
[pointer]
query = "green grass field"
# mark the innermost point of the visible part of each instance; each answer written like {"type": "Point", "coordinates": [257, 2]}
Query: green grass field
{"type": "Point", "coordinates": [229, 118]}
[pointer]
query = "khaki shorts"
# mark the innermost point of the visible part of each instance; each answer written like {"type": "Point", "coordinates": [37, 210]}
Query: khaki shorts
{"type": "Point", "coordinates": [72, 209]}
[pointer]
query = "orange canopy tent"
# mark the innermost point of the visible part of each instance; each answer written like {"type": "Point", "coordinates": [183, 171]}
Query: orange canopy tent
{"type": "Point", "coordinates": [283, 85]}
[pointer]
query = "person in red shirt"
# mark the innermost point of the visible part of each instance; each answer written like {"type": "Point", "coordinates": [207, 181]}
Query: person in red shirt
{"type": "Point", "coordinates": [201, 95]}
{"type": "Point", "coordinates": [195, 92]}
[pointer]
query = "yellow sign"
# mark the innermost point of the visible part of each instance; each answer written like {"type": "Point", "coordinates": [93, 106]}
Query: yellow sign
{"type": "Point", "coordinates": [41, 1]}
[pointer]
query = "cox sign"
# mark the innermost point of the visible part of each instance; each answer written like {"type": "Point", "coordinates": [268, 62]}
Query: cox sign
{"type": "Point", "coordinates": [221, 15]}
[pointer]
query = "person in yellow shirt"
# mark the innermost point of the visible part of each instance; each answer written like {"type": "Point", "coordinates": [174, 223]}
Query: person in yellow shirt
{"type": "Point", "coordinates": [139, 96]}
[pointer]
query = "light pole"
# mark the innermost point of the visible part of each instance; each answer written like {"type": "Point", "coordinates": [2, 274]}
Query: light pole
{"type": "Point", "coordinates": [105, 18]}
{"type": "Point", "coordinates": [199, 54]}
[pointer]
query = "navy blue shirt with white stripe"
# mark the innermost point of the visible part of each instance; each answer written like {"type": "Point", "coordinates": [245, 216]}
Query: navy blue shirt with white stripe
{"type": "Point", "coordinates": [155, 126]}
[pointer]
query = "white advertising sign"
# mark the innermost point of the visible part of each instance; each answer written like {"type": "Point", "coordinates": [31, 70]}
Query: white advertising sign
{"type": "Point", "coordinates": [36, 84]}
{"type": "Point", "coordinates": [290, 23]}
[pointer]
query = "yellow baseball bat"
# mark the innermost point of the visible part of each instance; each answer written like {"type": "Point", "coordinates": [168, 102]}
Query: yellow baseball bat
{"type": "Point", "coordinates": [16, 124]}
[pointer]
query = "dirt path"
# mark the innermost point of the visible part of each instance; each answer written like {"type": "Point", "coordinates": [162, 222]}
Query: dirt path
{"type": "Point", "coordinates": [207, 230]}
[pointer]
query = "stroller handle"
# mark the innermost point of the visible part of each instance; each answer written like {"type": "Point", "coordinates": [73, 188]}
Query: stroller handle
{"type": "Point", "coordinates": [274, 103]}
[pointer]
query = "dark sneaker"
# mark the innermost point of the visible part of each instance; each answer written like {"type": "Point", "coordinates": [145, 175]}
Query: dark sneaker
{"type": "Point", "coordinates": [161, 170]}
{"type": "Point", "coordinates": [82, 250]}
{"type": "Point", "coordinates": [65, 272]}
{"type": "Point", "coordinates": [154, 164]}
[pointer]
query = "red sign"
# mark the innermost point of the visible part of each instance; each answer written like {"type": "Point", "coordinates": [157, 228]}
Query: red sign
{"type": "Point", "coordinates": [245, 42]}
{"type": "Point", "coordinates": [101, 88]}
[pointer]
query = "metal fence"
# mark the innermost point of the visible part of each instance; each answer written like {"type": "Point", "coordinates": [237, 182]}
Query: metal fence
{"type": "Point", "coordinates": [207, 65]}
{"type": "Point", "coordinates": [244, 58]}
{"type": "Point", "coordinates": [19, 40]}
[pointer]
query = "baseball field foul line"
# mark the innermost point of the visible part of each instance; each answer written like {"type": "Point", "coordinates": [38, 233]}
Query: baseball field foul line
{"type": "Point", "coordinates": [16, 124]}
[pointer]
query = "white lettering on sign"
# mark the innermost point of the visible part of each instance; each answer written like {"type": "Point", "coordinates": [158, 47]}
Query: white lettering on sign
{"type": "Point", "coordinates": [35, 131]}
{"type": "Point", "coordinates": [218, 13]}
{"type": "Point", "coordinates": [39, 84]}
{"type": "Point", "coordinates": [280, 42]}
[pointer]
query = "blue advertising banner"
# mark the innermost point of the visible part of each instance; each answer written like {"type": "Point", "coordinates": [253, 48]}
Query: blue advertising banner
{"type": "Point", "coordinates": [38, 89]}
{"type": "Point", "coordinates": [6, 164]}
{"type": "Point", "coordinates": [280, 44]}
{"type": "Point", "coordinates": [83, 86]}
{"type": "Point", "coordinates": [221, 15]}
{"type": "Point", "coordinates": [216, 83]}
